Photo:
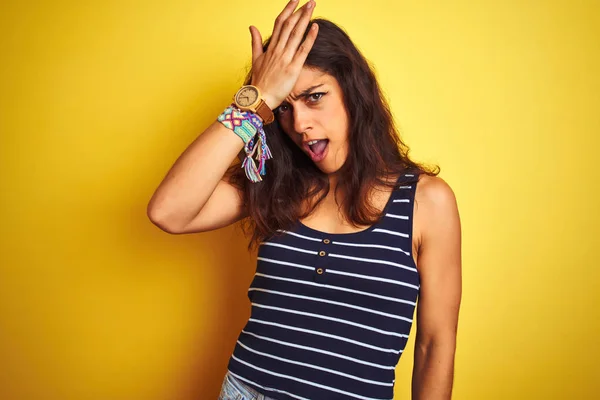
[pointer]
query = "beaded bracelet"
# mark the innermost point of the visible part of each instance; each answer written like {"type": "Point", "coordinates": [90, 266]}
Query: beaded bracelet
{"type": "Point", "coordinates": [246, 125]}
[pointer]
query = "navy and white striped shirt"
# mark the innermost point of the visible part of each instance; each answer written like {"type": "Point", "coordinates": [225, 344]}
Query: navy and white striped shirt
{"type": "Point", "coordinates": [331, 313]}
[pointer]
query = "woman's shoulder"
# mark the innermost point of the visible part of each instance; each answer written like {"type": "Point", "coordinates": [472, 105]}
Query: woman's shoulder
{"type": "Point", "coordinates": [433, 189]}
{"type": "Point", "coordinates": [436, 214]}
{"type": "Point", "coordinates": [435, 204]}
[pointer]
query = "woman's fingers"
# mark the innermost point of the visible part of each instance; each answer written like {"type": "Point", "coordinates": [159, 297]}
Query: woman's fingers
{"type": "Point", "coordinates": [281, 18]}
{"type": "Point", "coordinates": [293, 26]}
{"type": "Point", "coordinates": [257, 47]}
{"type": "Point", "coordinates": [304, 49]}
{"type": "Point", "coordinates": [300, 27]}
{"type": "Point", "coordinates": [276, 70]}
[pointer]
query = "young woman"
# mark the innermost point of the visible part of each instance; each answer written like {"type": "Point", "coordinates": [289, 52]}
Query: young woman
{"type": "Point", "coordinates": [349, 230]}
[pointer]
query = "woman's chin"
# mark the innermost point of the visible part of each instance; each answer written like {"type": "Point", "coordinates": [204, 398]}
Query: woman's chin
{"type": "Point", "coordinates": [327, 169]}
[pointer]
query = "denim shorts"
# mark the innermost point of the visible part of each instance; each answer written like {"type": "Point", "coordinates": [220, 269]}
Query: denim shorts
{"type": "Point", "coordinates": [235, 389]}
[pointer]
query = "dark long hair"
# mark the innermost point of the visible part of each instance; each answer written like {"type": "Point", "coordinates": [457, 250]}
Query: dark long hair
{"type": "Point", "coordinates": [376, 152]}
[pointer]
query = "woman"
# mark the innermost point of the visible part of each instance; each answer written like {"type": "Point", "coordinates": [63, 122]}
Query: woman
{"type": "Point", "coordinates": [350, 231]}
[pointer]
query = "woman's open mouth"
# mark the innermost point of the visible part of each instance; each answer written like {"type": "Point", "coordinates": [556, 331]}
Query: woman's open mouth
{"type": "Point", "coordinates": [317, 149]}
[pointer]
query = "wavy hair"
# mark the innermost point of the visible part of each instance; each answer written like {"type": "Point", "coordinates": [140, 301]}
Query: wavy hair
{"type": "Point", "coordinates": [376, 153]}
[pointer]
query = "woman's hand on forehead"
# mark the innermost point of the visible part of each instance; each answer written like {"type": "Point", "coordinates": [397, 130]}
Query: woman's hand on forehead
{"type": "Point", "coordinates": [276, 70]}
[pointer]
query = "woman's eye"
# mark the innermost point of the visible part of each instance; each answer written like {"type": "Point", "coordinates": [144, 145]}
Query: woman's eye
{"type": "Point", "coordinates": [312, 98]}
{"type": "Point", "coordinates": [315, 96]}
{"type": "Point", "coordinates": [281, 109]}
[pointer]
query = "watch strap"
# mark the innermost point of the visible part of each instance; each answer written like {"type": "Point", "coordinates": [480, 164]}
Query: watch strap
{"type": "Point", "coordinates": [264, 112]}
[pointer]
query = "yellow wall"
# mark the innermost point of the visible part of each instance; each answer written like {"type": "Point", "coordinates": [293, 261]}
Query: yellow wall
{"type": "Point", "coordinates": [97, 99]}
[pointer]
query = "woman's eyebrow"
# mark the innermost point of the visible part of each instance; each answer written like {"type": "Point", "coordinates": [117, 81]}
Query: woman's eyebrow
{"type": "Point", "coordinates": [305, 92]}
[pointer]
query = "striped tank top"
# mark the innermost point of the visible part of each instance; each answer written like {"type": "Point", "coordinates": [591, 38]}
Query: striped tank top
{"type": "Point", "coordinates": [331, 313]}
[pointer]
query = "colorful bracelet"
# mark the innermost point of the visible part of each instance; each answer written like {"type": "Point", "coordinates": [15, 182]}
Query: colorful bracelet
{"type": "Point", "coordinates": [246, 125]}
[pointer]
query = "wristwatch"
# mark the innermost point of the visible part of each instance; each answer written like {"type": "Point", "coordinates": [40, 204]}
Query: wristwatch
{"type": "Point", "coordinates": [248, 98]}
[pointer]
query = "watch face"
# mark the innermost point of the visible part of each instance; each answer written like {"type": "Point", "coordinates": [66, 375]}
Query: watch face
{"type": "Point", "coordinates": [246, 96]}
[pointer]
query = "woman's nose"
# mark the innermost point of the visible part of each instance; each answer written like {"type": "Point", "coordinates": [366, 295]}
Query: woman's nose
{"type": "Point", "coordinates": [301, 120]}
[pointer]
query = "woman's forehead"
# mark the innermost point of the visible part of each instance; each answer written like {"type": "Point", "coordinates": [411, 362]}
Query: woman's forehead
{"type": "Point", "coordinates": [310, 79]}
{"type": "Point", "coordinates": [312, 74]}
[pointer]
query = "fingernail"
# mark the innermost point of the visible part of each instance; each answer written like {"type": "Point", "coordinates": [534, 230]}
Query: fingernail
{"type": "Point", "coordinates": [309, 5]}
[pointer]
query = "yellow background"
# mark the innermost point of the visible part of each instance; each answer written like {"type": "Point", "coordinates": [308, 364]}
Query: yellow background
{"type": "Point", "coordinates": [98, 99]}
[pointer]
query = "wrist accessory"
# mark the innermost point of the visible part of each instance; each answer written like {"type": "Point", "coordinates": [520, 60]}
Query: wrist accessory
{"type": "Point", "coordinates": [246, 125]}
{"type": "Point", "coordinates": [249, 98]}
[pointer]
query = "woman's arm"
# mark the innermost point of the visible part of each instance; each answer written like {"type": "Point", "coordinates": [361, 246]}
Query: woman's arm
{"type": "Point", "coordinates": [194, 179]}
{"type": "Point", "coordinates": [195, 196]}
{"type": "Point", "coordinates": [439, 265]}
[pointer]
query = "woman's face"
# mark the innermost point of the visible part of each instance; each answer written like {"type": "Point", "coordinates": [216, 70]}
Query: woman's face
{"type": "Point", "coordinates": [315, 111]}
